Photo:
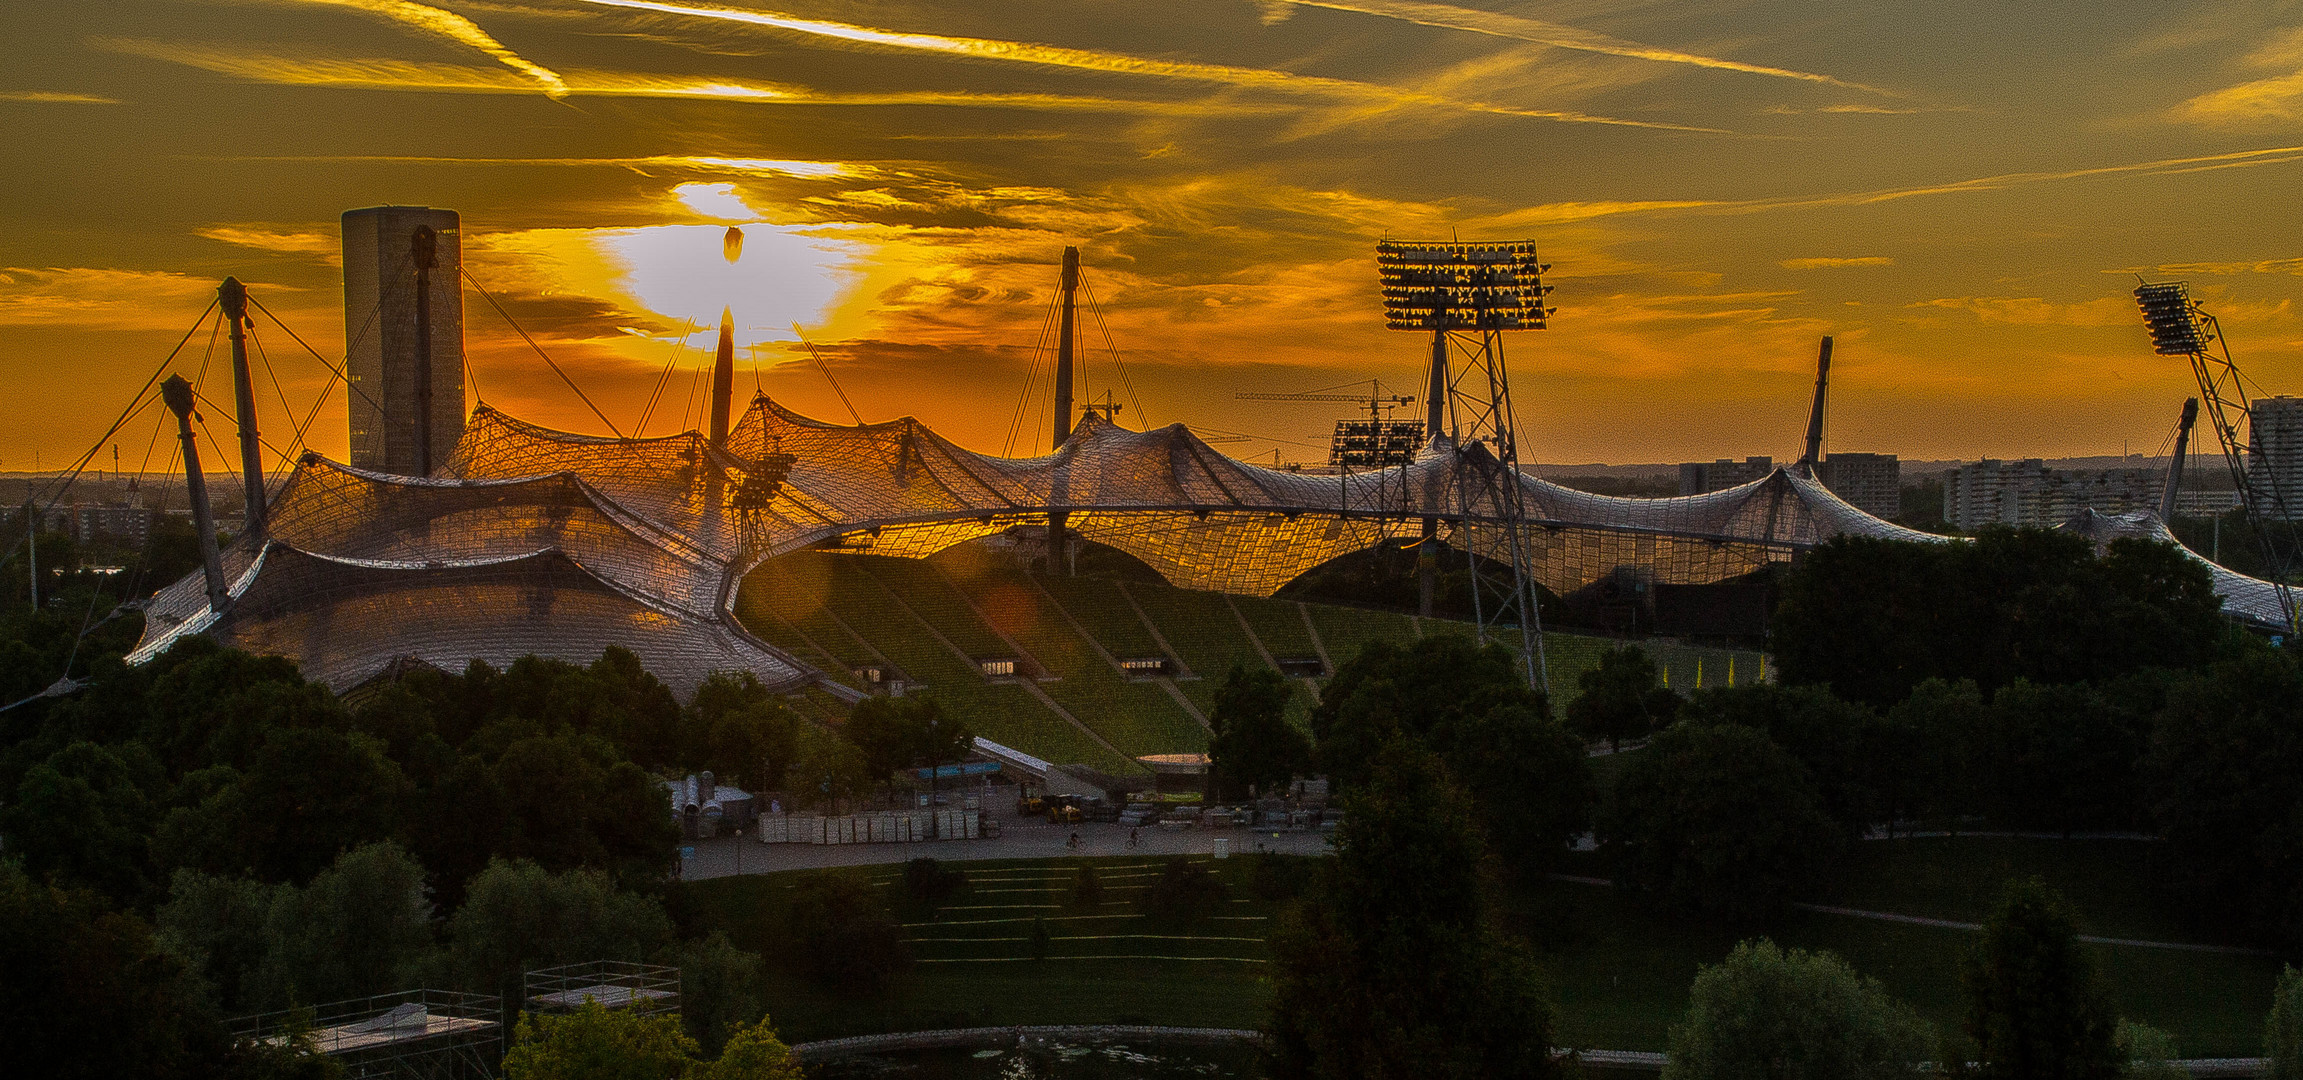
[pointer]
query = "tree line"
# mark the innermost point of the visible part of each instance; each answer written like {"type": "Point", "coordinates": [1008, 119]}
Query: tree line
{"type": "Point", "coordinates": [2016, 682]}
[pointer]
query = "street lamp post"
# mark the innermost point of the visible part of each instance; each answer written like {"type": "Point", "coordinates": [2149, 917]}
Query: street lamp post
{"type": "Point", "coordinates": [935, 818]}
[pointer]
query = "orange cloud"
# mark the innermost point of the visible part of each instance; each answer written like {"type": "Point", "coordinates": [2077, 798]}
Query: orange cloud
{"type": "Point", "coordinates": [456, 28]}
{"type": "Point", "coordinates": [1828, 263]}
{"type": "Point", "coordinates": [1117, 63]}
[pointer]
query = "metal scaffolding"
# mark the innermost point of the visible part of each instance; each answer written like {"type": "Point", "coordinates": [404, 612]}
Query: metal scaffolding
{"type": "Point", "coordinates": [647, 989]}
{"type": "Point", "coordinates": [420, 1034]}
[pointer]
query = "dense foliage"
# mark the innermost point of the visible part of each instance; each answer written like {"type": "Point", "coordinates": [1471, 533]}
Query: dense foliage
{"type": "Point", "coordinates": [1393, 971]}
{"type": "Point", "coordinates": [1621, 698]}
{"type": "Point", "coordinates": [1252, 746]}
{"type": "Point", "coordinates": [1467, 704]}
{"type": "Point", "coordinates": [1793, 1015]}
{"type": "Point", "coordinates": [1871, 619]}
{"type": "Point", "coordinates": [1717, 820]}
{"type": "Point", "coordinates": [2037, 1009]}
{"type": "Point", "coordinates": [596, 1043]}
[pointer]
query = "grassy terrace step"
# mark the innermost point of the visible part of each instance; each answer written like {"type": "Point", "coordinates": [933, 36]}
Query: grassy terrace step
{"type": "Point", "coordinates": [1138, 717]}
{"type": "Point", "coordinates": [1279, 625]}
{"type": "Point", "coordinates": [1202, 628]}
{"type": "Point", "coordinates": [791, 602]}
{"type": "Point", "coordinates": [1619, 975]}
{"type": "Point", "coordinates": [926, 591]}
{"type": "Point", "coordinates": [1098, 605]}
{"type": "Point", "coordinates": [1345, 631]}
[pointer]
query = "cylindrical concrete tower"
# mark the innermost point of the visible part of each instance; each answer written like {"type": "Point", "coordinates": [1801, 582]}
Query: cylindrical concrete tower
{"type": "Point", "coordinates": [400, 352]}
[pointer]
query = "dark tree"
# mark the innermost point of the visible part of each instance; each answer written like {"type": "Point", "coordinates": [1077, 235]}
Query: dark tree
{"type": "Point", "coordinates": [571, 802]}
{"type": "Point", "coordinates": [1530, 778]}
{"type": "Point", "coordinates": [744, 734]}
{"type": "Point", "coordinates": [1948, 729]}
{"type": "Point", "coordinates": [845, 938]}
{"type": "Point", "coordinates": [517, 918]}
{"type": "Point", "coordinates": [1873, 618]}
{"type": "Point", "coordinates": [931, 882]}
{"type": "Point", "coordinates": [720, 992]}
{"type": "Point", "coordinates": [1393, 971]}
{"type": "Point", "coordinates": [457, 826]}
{"type": "Point", "coordinates": [1390, 690]}
{"type": "Point", "coordinates": [901, 733]}
{"type": "Point", "coordinates": [2226, 783]}
{"type": "Point", "coordinates": [2036, 1008]}
{"type": "Point", "coordinates": [88, 995]}
{"type": "Point", "coordinates": [1620, 698]}
{"type": "Point", "coordinates": [86, 815]}
{"type": "Point", "coordinates": [2062, 758]}
{"type": "Point", "coordinates": [1087, 889]}
{"type": "Point", "coordinates": [1254, 746]}
{"type": "Point", "coordinates": [1852, 755]}
{"type": "Point", "coordinates": [1468, 704]}
{"type": "Point", "coordinates": [310, 795]}
{"type": "Point", "coordinates": [1185, 890]}
{"type": "Point", "coordinates": [1767, 1012]}
{"type": "Point", "coordinates": [1717, 820]}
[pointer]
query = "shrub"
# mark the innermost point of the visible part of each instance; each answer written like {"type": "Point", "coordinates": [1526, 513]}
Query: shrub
{"type": "Point", "coordinates": [1185, 890]}
{"type": "Point", "coordinates": [929, 881]}
{"type": "Point", "coordinates": [844, 938]}
{"type": "Point", "coordinates": [1087, 889]}
{"type": "Point", "coordinates": [1765, 1011]}
{"type": "Point", "coordinates": [2283, 1032]}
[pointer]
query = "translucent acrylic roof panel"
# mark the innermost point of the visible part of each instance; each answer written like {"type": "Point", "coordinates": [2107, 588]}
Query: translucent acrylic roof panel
{"type": "Point", "coordinates": [344, 621]}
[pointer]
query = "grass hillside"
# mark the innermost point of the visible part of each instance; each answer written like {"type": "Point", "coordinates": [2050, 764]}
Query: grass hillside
{"type": "Point", "coordinates": [934, 621]}
{"type": "Point", "coordinates": [1618, 975]}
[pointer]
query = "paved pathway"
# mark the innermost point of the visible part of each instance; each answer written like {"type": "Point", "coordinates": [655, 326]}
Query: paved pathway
{"type": "Point", "coordinates": [1953, 924]}
{"type": "Point", "coordinates": [1019, 839]}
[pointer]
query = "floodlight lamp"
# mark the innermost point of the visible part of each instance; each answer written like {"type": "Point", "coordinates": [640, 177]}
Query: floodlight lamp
{"type": "Point", "coordinates": [1458, 286]}
{"type": "Point", "coordinates": [2174, 323]}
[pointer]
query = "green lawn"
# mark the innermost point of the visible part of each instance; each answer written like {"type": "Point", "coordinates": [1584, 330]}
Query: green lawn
{"type": "Point", "coordinates": [1618, 974]}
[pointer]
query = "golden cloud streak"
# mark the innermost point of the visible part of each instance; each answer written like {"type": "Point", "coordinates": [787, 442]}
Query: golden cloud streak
{"type": "Point", "coordinates": [2237, 159]}
{"type": "Point", "coordinates": [1828, 263]}
{"type": "Point", "coordinates": [807, 170]}
{"type": "Point", "coordinates": [2262, 100]}
{"type": "Point", "coordinates": [1494, 24]}
{"type": "Point", "coordinates": [1121, 63]}
{"type": "Point", "coordinates": [456, 28]}
{"type": "Point", "coordinates": [373, 73]}
{"type": "Point", "coordinates": [55, 97]}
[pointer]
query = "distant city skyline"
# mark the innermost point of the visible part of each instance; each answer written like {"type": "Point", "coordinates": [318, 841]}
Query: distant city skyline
{"type": "Point", "coordinates": [1961, 193]}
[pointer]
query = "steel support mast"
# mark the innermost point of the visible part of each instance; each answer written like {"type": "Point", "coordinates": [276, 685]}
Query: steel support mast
{"type": "Point", "coordinates": [2180, 327]}
{"type": "Point", "coordinates": [1466, 295]}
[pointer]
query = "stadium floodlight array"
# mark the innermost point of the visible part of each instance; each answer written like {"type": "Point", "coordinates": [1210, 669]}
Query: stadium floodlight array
{"type": "Point", "coordinates": [2174, 323]}
{"type": "Point", "coordinates": [1456, 286]}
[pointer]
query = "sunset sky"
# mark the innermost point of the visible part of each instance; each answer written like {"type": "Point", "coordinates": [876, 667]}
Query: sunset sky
{"type": "Point", "coordinates": [1961, 191]}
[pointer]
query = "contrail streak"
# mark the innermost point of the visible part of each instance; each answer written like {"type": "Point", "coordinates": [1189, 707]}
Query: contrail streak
{"type": "Point", "coordinates": [390, 74]}
{"type": "Point", "coordinates": [2237, 159]}
{"type": "Point", "coordinates": [1119, 63]}
{"type": "Point", "coordinates": [1496, 24]}
{"type": "Point", "coordinates": [456, 28]}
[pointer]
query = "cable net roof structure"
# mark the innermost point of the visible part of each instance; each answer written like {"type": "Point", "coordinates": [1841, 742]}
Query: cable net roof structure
{"type": "Point", "coordinates": [558, 544]}
{"type": "Point", "coordinates": [2250, 600]}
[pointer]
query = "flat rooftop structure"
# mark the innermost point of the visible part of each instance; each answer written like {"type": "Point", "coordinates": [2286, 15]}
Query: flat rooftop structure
{"type": "Point", "coordinates": [429, 1033]}
{"type": "Point", "coordinates": [616, 984]}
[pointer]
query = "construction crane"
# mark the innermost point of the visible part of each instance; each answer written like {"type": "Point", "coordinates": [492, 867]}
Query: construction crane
{"type": "Point", "coordinates": [1378, 404]}
{"type": "Point", "coordinates": [2179, 327]}
{"type": "Point", "coordinates": [1377, 442]}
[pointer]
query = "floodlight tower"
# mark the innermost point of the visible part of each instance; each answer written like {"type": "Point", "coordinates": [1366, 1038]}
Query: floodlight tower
{"type": "Point", "coordinates": [1466, 296]}
{"type": "Point", "coordinates": [2180, 328]}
